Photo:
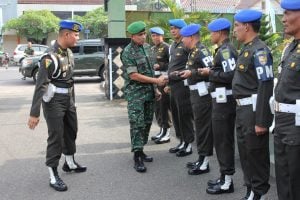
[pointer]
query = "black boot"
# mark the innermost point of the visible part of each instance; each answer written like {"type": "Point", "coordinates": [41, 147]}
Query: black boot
{"type": "Point", "coordinates": [75, 166]}
{"type": "Point", "coordinates": [185, 151]}
{"type": "Point", "coordinates": [191, 165]}
{"type": "Point", "coordinates": [257, 197]}
{"type": "Point", "coordinates": [220, 187]}
{"type": "Point", "coordinates": [138, 162]}
{"type": "Point", "coordinates": [157, 135]}
{"type": "Point", "coordinates": [247, 193]}
{"type": "Point", "coordinates": [58, 185]}
{"type": "Point", "coordinates": [197, 170]}
{"type": "Point", "coordinates": [146, 158]}
{"type": "Point", "coordinates": [165, 136]}
{"type": "Point", "coordinates": [177, 148]}
{"type": "Point", "coordinates": [216, 181]}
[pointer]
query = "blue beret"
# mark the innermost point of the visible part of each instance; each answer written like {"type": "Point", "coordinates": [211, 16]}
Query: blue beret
{"type": "Point", "coordinates": [179, 23]}
{"type": "Point", "coordinates": [219, 24]}
{"type": "Point", "coordinates": [190, 29]}
{"type": "Point", "coordinates": [249, 15]}
{"type": "Point", "coordinates": [136, 27]}
{"type": "Point", "coordinates": [157, 30]}
{"type": "Point", "coordinates": [290, 4]}
{"type": "Point", "coordinates": [70, 25]}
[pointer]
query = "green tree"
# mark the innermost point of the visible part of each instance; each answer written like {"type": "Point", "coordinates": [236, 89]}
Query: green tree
{"type": "Point", "coordinates": [34, 25]}
{"type": "Point", "coordinates": [95, 21]}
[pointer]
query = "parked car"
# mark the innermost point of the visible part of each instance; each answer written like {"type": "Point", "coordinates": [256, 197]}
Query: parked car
{"type": "Point", "coordinates": [88, 58]}
{"type": "Point", "coordinates": [19, 54]}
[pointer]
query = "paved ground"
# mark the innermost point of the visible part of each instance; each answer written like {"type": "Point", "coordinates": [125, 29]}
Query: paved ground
{"type": "Point", "coordinates": [103, 146]}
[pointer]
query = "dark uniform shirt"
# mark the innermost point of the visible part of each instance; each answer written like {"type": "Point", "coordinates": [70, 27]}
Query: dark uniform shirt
{"type": "Point", "coordinates": [222, 72]}
{"type": "Point", "coordinates": [199, 57]}
{"type": "Point", "coordinates": [177, 62]}
{"type": "Point", "coordinates": [55, 67]}
{"type": "Point", "coordinates": [288, 88]}
{"type": "Point", "coordinates": [161, 53]}
{"type": "Point", "coordinates": [138, 58]}
{"type": "Point", "coordinates": [29, 51]}
{"type": "Point", "coordinates": [254, 75]}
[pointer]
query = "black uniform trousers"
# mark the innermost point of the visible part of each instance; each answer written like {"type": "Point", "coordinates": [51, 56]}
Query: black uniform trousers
{"type": "Point", "coordinates": [181, 110]}
{"type": "Point", "coordinates": [287, 156]}
{"type": "Point", "coordinates": [163, 110]}
{"type": "Point", "coordinates": [61, 118]}
{"type": "Point", "coordinates": [203, 128]}
{"type": "Point", "coordinates": [223, 123]}
{"type": "Point", "coordinates": [253, 150]}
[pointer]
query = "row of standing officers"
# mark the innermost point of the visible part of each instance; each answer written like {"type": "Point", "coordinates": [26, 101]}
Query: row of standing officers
{"type": "Point", "coordinates": [209, 96]}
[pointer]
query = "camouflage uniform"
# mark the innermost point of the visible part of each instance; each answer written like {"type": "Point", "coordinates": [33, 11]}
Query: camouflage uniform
{"type": "Point", "coordinates": [60, 111]}
{"type": "Point", "coordinates": [140, 96]}
{"type": "Point", "coordinates": [254, 75]}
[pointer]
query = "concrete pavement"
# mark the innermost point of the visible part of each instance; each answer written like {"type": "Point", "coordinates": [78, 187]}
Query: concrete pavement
{"type": "Point", "coordinates": [103, 146]}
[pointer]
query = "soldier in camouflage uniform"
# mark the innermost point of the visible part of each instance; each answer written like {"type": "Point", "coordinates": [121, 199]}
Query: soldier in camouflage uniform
{"type": "Point", "coordinates": [287, 109]}
{"type": "Point", "coordinates": [252, 87]}
{"type": "Point", "coordinates": [199, 57]}
{"type": "Point", "coordinates": [162, 107]}
{"type": "Point", "coordinates": [140, 91]}
{"type": "Point", "coordinates": [223, 104]}
{"type": "Point", "coordinates": [55, 91]}
{"type": "Point", "coordinates": [29, 50]}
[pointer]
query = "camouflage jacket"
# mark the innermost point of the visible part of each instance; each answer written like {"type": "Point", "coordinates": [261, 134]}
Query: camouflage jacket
{"type": "Point", "coordinates": [138, 58]}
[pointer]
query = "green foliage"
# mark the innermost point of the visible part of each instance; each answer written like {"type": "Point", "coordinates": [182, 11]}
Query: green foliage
{"type": "Point", "coordinates": [273, 40]}
{"type": "Point", "coordinates": [95, 21]}
{"type": "Point", "coordinates": [34, 25]}
{"type": "Point", "coordinates": [177, 12]}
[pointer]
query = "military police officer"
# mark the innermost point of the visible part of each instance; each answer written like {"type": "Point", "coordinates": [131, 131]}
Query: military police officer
{"type": "Point", "coordinates": [252, 88]}
{"type": "Point", "coordinates": [223, 107]}
{"type": "Point", "coordinates": [55, 91]}
{"type": "Point", "coordinates": [29, 51]}
{"type": "Point", "coordinates": [139, 91]}
{"type": "Point", "coordinates": [199, 57]}
{"type": "Point", "coordinates": [287, 109]}
{"type": "Point", "coordinates": [181, 108]}
{"type": "Point", "coordinates": [162, 107]}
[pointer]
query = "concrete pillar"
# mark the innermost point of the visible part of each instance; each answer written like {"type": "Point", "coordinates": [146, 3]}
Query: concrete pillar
{"type": "Point", "coordinates": [116, 19]}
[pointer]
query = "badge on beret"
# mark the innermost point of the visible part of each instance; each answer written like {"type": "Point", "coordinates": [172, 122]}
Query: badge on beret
{"type": "Point", "coordinates": [242, 67]}
{"type": "Point", "coordinates": [47, 62]}
{"type": "Point", "coordinates": [246, 54]}
{"type": "Point", "coordinates": [225, 54]}
{"type": "Point", "coordinates": [76, 27]}
{"type": "Point", "coordinates": [262, 57]}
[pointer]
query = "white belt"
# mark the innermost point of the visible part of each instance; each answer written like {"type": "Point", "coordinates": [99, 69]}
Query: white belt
{"type": "Point", "coordinates": [214, 95]}
{"type": "Point", "coordinates": [195, 87]}
{"type": "Point", "coordinates": [156, 73]}
{"type": "Point", "coordinates": [244, 101]}
{"type": "Point", "coordinates": [63, 90]}
{"type": "Point", "coordinates": [284, 107]}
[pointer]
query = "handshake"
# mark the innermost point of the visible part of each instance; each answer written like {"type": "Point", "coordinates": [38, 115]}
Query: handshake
{"type": "Point", "coordinates": [162, 80]}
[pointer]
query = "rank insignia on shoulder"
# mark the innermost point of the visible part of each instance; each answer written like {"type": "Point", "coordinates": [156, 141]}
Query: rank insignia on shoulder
{"type": "Point", "coordinates": [242, 67]}
{"type": "Point", "coordinates": [225, 54]}
{"type": "Point", "coordinates": [293, 64]}
{"type": "Point", "coordinates": [246, 54]}
{"type": "Point", "coordinates": [47, 62]}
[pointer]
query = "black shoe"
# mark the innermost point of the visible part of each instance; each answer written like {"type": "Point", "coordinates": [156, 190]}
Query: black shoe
{"type": "Point", "coordinates": [161, 141]}
{"type": "Point", "coordinates": [59, 185]}
{"type": "Point", "coordinates": [197, 171]}
{"type": "Point", "coordinates": [216, 189]}
{"type": "Point", "coordinates": [216, 181]}
{"type": "Point", "coordinates": [247, 193]}
{"type": "Point", "coordinates": [78, 169]}
{"type": "Point", "coordinates": [138, 162]}
{"type": "Point", "coordinates": [157, 135]}
{"type": "Point", "coordinates": [146, 158]}
{"type": "Point", "coordinates": [175, 149]}
{"type": "Point", "coordinates": [191, 165]}
{"type": "Point", "coordinates": [187, 150]}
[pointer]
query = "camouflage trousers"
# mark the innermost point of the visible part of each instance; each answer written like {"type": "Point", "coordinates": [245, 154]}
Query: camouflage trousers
{"type": "Point", "coordinates": [140, 114]}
